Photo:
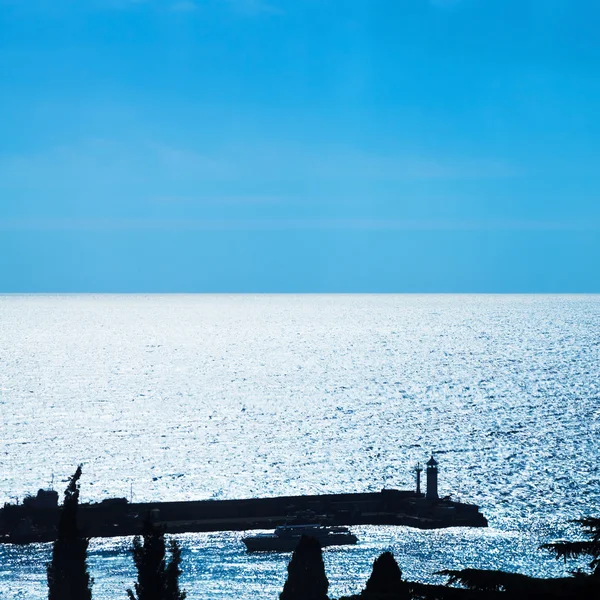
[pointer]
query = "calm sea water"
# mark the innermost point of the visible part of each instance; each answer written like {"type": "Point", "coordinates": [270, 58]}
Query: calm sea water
{"type": "Point", "coordinates": [189, 397]}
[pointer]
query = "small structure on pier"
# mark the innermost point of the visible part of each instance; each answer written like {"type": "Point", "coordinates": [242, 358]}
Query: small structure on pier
{"type": "Point", "coordinates": [432, 479]}
{"type": "Point", "coordinates": [418, 471]}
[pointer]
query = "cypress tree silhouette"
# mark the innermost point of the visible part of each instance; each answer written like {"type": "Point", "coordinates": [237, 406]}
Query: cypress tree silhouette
{"type": "Point", "coordinates": [172, 574]}
{"type": "Point", "coordinates": [68, 577]}
{"type": "Point", "coordinates": [156, 579]}
{"type": "Point", "coordinates": [306, 573]}
{"type": "Point", "coordinates": [386, 579]}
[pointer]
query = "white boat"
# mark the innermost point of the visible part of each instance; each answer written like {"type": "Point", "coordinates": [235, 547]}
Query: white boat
{"type": "Point", "coordinates": [285, 538]}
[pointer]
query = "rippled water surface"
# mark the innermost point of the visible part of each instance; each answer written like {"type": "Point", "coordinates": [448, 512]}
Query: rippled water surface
{"type": "Point", "coordinates": [189, 397]}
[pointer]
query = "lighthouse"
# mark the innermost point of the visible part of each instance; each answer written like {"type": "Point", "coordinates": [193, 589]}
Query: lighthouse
{"type": "Point", "coordinates": [432, 476]}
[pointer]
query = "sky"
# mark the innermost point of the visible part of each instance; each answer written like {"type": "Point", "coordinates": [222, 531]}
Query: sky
{"type": "Point", "coordinates": [300, 146]}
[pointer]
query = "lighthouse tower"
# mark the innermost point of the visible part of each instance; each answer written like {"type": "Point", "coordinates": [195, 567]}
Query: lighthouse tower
{"type": "Point", "coordinates": [432, 479]}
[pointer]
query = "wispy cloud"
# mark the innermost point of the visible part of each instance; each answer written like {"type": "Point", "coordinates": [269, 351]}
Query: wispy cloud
{"type": "Point", "coordinates": [346, 163]}
{"type": "Point", "coordinates": [239, 7]}
{"type": "Point", "coordinates": [277, 224]}
{"type": "Point", "coordinates": [216, 200]}
{"type": "Point", "coordinates": [445, 3]}
{"type": "Point", "coordinates": [254, 7]}
{"type": "Point", "coordinates": [97, 161]}
{"type": "Point", "coordinates": [184, 6]}
{"type": "Point", "coordinates": [126, 3]}
{"type": "Point", "coordinates": [104, 162]}
{"type": "Point", "coordinates": [357, 164]}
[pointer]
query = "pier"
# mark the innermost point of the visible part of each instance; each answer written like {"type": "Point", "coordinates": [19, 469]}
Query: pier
{"type": "Point", "coordinates": [36, 519]}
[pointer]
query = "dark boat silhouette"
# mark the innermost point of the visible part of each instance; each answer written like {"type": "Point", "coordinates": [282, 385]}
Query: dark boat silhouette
{"type": "Point", "coordinates": [285, 538]}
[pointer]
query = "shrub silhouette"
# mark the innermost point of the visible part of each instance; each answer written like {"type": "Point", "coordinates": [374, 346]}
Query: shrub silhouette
{"type": "Point", "coordinates": [156, 580]}
{"type": "Point", "coordinates": [385, 579]}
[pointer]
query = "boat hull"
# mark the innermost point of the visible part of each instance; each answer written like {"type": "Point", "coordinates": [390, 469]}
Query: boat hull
{"type": "Point", "coordinates": [288, 544]}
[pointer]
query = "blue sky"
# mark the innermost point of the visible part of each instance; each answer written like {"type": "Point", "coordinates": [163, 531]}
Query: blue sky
{"type": "Point", "coordinates": [299, 146]}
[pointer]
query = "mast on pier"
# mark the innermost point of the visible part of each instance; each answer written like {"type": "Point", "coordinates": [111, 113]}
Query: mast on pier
{"type": "Point", "coordinates": [418, 470]}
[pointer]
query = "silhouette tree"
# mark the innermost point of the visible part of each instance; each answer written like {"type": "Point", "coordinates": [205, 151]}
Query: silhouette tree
{"type": "Point", "coordinates": [493, 581]}
{"type": "Point", "coordinates": [581, 586]}
{"type": "Point", "coordinates": [306, 573]}
{"type": "Point", "coordinates": [68, 577]}
{"type": "Point", "coordinates": [172, 574]}
{"type": "Point", "coordinates": [386, 579]}
{"type": "Point", "coordinates": [590, 547]}
{"type": "Point", "coordinates": [156, 579]}
{"type": "Point", "coordinates": [499, 584]}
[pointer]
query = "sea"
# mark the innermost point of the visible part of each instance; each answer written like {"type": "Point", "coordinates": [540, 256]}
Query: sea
{"type": "Point", "coordinates": [181, 397]}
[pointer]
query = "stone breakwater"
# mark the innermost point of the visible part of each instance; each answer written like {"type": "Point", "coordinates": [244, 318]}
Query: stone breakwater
{"type": "Point", "coordinates": [117, 517]}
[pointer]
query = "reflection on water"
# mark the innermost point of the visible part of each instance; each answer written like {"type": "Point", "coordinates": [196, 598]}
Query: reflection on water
{"type": "Point", "coordinates": [185, 397]}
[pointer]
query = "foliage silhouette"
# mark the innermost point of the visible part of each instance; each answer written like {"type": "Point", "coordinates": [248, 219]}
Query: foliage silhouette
{"type": "Point", "coordinates": [157, 580]}
{"type": "Point", "coordinates": [488, 584]}
{"type": "Point", "coordinates": [482, 584]}
{"type": "Point", "coordinates": [68, 577]}
{"type": "Point", "coordinates": [591, 547]}
{"type": "Point", "coordinates": [422, 591]}
{"type": "Point", "coordinates": [172, 573]}
{"type": "Point", "coordinates": [492, 581]}
{"type": "Point", "coordinates": [499, 584]}
{"type": "Point", "coordinates": [306, 573]}
{"type": "Point", "coordinates": [385, 579]}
